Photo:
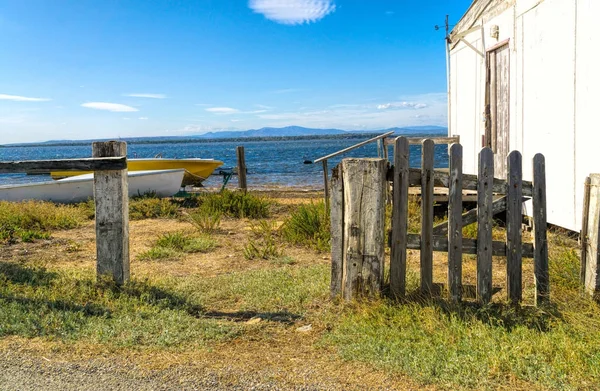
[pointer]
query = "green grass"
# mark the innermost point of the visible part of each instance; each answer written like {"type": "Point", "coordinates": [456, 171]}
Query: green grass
{"type": "Point", "coordinates": [166, 313]}
{"type": "Point", "coordinates": [31, 220]}
{"type": "Point", "coordinates": [309, 226]}
{"type": "Point", "coordinates": [471, 347]}
{"type": "Point", "coordinates": [175, 245]}
{"type": "Point", "coordinates": [236, 204]}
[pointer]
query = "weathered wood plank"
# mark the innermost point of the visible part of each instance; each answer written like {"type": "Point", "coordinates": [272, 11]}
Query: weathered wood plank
{"type": "Point", "coordinates": [87, 164]}
{"type": "Point", "coordinates": [470, 217]}
{"type": "Point", "coordinates": [399, 218]}
{"type": "Point", "coordinates": [112, 215]}
{"type": "Point", "coordinates": [427, 160]}
{"type": "Point", "coordinates": [241, 167]}
{"type": "Point", "coordinates": [364, 224]}
{"type": "Point", "coordinates": [592, 240]}
{"type": "Point", "coordinates": [440, 244]}
{"type": "Point", "coordinates": [442, 179]}
{"type": "Point", "coordinates": [336, 216]}
{"type": "Point", "coordinates": [455, 224]}
{"type": "Point", "coordinates": [484, 225]}
{"type": "Point", "coordinates": [514, 220]}
{"type": "Point", "coordinates": [542, 280]}
{"type": "Point", "coordinates": [419, 140]}
{"type": "Point", "coordinates": [583, 235]}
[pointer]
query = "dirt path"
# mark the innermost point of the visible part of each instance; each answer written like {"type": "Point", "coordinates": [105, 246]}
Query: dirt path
{"type": "Point", "coordinates": [22, 372]}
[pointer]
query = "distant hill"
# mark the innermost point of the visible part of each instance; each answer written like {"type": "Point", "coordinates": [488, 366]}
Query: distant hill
{"type": "Point", "coordinates": [294, 131]}
{"type": "Point", "coordinates": [288, 131]}
{"type": "Point", "coordinates": [429, 129]}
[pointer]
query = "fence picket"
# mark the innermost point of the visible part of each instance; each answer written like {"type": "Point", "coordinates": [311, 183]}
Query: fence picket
{"type": "Point", "coordinates": [337, 230]}
{"type": "Point", "coordinates": [540, 257]}
{"type": "Point", "coordinates": [399, 218]}
{"type": "Point", "coordinates": [455, 224]}
{"type": "Point", "coordinates": [514, 219]}
{"type": "Point", "coordinates": [427, 159]}
{"type": "Point", "coordinates": [484, 225]}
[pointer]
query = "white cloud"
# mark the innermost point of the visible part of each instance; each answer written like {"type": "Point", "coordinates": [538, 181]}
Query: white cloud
{"type": "Point", "coordinates": [116, 107]}
{"type": "Point", "coordinates": [402, 105]}
{"type": "Point", "coordinates": [293, 11]}
{"type": "Point", "coordinates": [222, 110]}
{"type": "Point", "coordinates": [150, 96]}
{"type": "Point", "coordinates": [17, 98]}
{"type": "Point", "coordinates": [143, 118]}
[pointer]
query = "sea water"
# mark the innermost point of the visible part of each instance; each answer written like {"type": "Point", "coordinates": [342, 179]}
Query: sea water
{"type": "Point", "coordinates": [270, 163]}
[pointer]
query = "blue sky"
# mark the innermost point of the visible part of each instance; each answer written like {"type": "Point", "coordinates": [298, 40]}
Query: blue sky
{"type": "Point", "coordinates": [117, 68]}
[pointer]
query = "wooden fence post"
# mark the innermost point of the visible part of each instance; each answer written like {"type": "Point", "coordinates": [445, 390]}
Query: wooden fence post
{"type": "Point", "coordinates": [484, 225]}
{"type": "Point", "coordinates": [427, 159]}
{"type": "Point", "coordinates": [455, 223]}
{"type": "Point", "coordinates": [241, 166]}
{"type": "Point", "coordinates": [583, 235]}
{"type": "Point", "coordinates": [514, 219]}
{"type": "Point", "coordinates": [364, 182]}
{"type": "Point", "coordinates": [326, 183]}
{"type": "Point", "coordinates": [399, 218]}
{"type": "Point", "coordinates": [111, 196]}
{"type": "Point", "coordinates": [591, 239]}
{"type": "Point", "coordinates": [336, 216]}
{"type": "Point", "coordinates": [540, 246]}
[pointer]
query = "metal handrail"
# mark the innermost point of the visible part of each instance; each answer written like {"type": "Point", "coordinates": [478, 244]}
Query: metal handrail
{"type": "Point", "coordinates": [325, 158]}
{"type": "Point", "coordinates": [352, 147]}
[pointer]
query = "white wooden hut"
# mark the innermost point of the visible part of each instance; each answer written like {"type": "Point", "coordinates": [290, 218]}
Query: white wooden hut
{"type": "Point", "coordinates": [523, 75]}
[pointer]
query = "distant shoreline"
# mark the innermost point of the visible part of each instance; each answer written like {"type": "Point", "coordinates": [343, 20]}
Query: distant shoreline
{"type": "Point", "coordinates": [185, 140]}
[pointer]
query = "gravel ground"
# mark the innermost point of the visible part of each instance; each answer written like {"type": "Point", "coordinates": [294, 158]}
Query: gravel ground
{"type": "Point", "coordinates": [19, 372]}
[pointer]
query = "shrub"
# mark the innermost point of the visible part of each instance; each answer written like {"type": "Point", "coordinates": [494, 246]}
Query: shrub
{"type": "Point", "coordinates": [262, 244]}
{"type": "Point", "coordinates": [152, 208]}
{"type": "Point", "coordinates": [236, 204]}
{"type": "Point", "coordinates": [309, 226]}
{"type": "Point", "coordinates": [31, 220]}
{"type": "Point", "coordinates": [206, 219]}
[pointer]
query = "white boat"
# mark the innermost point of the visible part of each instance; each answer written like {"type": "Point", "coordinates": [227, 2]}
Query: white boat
{"type": "Point", "coordinates": [162, 183]}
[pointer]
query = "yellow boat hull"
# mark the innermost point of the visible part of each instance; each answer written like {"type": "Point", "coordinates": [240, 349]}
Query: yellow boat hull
{"type": "Point", "coordinates": [196, 170]}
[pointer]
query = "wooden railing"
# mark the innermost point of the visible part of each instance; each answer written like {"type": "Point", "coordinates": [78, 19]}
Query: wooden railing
{"type": "Point", "coordinates": [358, 190]}
{"type": "Point", "coordinates": [109, 164]}
{"type": "Point", "coordinates": [384, 141]}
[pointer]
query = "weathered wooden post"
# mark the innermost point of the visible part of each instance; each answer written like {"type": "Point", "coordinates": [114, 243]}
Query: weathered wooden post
{"type": "Point", "coordinates": [326, 183]}
{"type": "Point", "coordinates": [241, 167]}
{"type": "Point", "coordinates": [363, 217]}
{"type": "Point", "coordinates": [111, 196]}
{"type": "Point", "coordinates": [591, 238]}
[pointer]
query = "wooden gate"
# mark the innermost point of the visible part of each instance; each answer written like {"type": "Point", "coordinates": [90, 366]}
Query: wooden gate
{"type": "Point", "coordinates": [357, 223]}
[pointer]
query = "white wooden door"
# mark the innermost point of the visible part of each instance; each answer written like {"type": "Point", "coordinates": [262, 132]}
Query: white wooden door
{"type": "Point", "coordinates": [499, 99]}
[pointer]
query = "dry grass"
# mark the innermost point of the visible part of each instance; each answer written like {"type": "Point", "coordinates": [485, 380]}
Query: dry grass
{"type": "Point", "coordinates": [372, 345]}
